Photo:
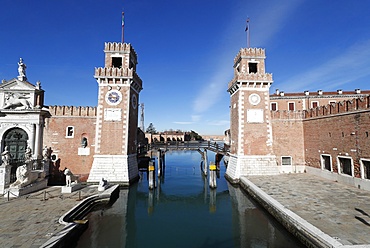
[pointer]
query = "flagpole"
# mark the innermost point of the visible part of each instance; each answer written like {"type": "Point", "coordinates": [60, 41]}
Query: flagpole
{"type": "Point", "coordinates": [123, 27]}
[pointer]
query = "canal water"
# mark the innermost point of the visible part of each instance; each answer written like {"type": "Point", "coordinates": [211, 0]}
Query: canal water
{"type": "Point", "coordinates": [184, 212]}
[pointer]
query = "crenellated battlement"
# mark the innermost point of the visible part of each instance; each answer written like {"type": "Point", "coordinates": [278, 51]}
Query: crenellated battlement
{"type": "Point", "coordinates": [338, 108]}
{"type": "Point", "coordinates": [348, 106]}
{"type": "Point", "coordinates": [120, 48]}
{"type": "Point", "coordinates": [255, 77]}
{"type": "Point", "coordinates": [72, 111]}
{"type": "Point", "coordinates": [250, 53]}
{"type": "Point", "coordinates": [254, 80]}
{"type": "Point", "coordinates": [114, 72]}
{"type": "Point", "coordinates": [117, 73]}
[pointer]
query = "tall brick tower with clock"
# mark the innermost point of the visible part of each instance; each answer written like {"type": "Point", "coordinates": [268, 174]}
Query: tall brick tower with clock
{"type": "Point", "coordinates": [251, 151]}
{"type": "Point", "coordinates": [117, 116]}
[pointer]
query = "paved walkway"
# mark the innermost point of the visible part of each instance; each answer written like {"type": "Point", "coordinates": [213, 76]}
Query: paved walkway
{"type": "Point", "coordinates": [29, 221]}
{"type": "Point", "coordinates": [342, 212]}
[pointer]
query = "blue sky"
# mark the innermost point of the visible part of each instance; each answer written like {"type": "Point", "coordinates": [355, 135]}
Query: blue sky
{"type": "Point", "coordinates": [186, 50]}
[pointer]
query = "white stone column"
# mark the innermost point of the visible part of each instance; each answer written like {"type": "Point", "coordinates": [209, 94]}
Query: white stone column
{"type": "Point", "coordinates": [37, 141]}
{"type": "Point", "coordinates": [31, 142]}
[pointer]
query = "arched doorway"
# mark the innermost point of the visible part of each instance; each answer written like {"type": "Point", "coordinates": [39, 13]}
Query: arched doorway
{"type": "Point", "coordinates": [16, 142]}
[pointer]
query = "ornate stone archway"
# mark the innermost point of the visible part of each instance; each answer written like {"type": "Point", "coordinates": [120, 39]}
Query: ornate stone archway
{"type": "Point", "coordinates": [15, 141]}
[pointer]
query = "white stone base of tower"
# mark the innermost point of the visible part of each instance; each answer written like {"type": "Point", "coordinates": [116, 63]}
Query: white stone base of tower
{"type": "Point", "coordinates": [250, 165]}
{"type": "Point", "coordinates": [121, 169]}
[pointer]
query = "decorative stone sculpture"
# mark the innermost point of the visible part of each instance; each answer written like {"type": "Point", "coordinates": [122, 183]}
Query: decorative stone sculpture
{"type": "Point", "coordinates": [72, 183]}
{"type": "Point", "coordinates": [28, 154]}
{"type": "Point", "coordinates": [69, 176]}
{"type": "Point", "coordinates": [46, 153]}
{"type": "Point", "coordinates": [84, 142]}
{"type": "Point", "coordinates": [24, 176]}
{"type": "Point", "coordinates": [22, 70]}
{"type": "Point", "coordinates": [103, 185]}
{"type": "Point", "coordinates": [5, 157]}
{"type": "Point", "coordinates": [14, 100]}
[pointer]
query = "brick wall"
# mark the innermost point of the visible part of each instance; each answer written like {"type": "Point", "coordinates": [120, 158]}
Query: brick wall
{"type": "Point", "coordinates": [66, 149]}
{"type": "Point", "coordinates": [287, 132]}
{"type": "Point", "coordinates": [341, 129]}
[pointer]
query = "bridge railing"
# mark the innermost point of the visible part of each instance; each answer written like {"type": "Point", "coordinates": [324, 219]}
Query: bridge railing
{"type": "Point", "coordinates": [218, 147]}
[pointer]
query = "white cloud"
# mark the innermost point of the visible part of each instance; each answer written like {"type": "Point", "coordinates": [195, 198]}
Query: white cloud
{"type": "Point", "coordinates": [183, 122]}
{"type": "Point", "coordinates": [273, 15]}
{"type": "Point", "coordinates": [350, 65]}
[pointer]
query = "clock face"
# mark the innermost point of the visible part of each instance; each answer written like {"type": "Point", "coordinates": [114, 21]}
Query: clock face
{"type": "Point", "coordinates": [134, 101]}
{"type": "Point", "coordinates": [254, 99]}
{"type": "Point", "coordinates": [113, 97]}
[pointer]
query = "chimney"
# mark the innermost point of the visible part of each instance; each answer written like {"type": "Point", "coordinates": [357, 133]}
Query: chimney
{"type": "Point", "coordinates": [340, 92]}
{"type": "Point", "coordinates": [281, 93]}
{"type": "Point", "coordinates": [319, 92]}
{"type": "Point", "coordinates": [277, 91]}
{"type": "Point", "coordinates": [358, 91]}
{"type": "Point", "coordinates": [306, 92]}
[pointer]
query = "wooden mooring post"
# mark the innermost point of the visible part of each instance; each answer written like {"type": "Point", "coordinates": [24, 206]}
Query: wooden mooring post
{"type": "Point", "coordinates": [161, 162]}
{"type": "Point", "coordinates": [212, 176]}
{"type": "Point", "coordinates": [204, 162]}
{"type": "Point", "coordinates": [151, 172]}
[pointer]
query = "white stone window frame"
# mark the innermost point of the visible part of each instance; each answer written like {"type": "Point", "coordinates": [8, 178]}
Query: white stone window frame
{"type": "Point", "coordinates": [67, 132]}
{"type": "Point", "coordinates": [339, 167]}
{"type": "Point", "coordinates": [317, 102]}
{"type": "Point", "coordinates": [332, 101]}
{"type": "Point", "coordinates": [293, 106]}
{"type": "Point", "coordinates": [362, 169]}
{"type": "Point", "coordinates": [291, 160]}
{"type": "Point", "coordinates": [322, 161]}
{"type": "Point", "coordinates": [277, 105]}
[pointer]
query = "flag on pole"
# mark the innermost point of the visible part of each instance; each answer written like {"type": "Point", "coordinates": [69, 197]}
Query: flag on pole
{"type": "Point", "coordinates": [123, 19]}
{"type": "Point", "coordinates": [247, 27]}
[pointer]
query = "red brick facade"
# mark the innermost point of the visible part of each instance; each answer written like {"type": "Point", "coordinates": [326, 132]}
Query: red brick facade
{"type": "Point", "coordinates": [64, 133]}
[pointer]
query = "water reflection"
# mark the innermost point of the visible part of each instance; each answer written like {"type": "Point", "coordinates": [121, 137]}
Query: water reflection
{"type": "Point", "coordinates": [184, 212]}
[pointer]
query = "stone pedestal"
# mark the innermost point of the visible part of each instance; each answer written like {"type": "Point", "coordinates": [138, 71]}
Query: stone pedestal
{"type": "Point", "coordinates": [72, 188]}
{"type": "Point", "coordinates": [4, 178]}
{"type": "Point", "coordinates": [121, 169]}
{"type": "Point", "coordinates": [35, 186]}
{"type": "Point", "coordinates": [251, 165]}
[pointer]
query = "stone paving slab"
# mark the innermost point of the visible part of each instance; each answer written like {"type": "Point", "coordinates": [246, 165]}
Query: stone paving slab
{"type": "Point", "coordinates": [341, 211]}
{"type": "Point", "coordinates": [29, 221]}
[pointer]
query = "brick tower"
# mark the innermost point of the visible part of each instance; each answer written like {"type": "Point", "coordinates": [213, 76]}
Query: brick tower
{"type": "Point", "coordinates": [117, 116]}
{"type": "Point", "coordinates": [251, 150]}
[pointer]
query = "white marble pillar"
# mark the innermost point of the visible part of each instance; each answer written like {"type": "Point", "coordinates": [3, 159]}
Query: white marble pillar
{"type": "Point", "coordinates": [31, 142]}
{"type": "Point", "coordinates": [37, 141]}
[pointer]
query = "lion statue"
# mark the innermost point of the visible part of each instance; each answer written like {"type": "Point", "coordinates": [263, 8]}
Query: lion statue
{"type": "Point", "coordinates": [14, 100]}
{"type": "Point", "coordinates": [24, 176]}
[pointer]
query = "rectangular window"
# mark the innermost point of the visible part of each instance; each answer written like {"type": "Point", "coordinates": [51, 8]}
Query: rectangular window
{"type": "Point", "coordinates": [314, 104]}
{"type": "Point", "coordinates": [326, 162]}
{"type": "Point", "coordinates": [345, 166]}
{"type": "Point", "coordinates": [274, 106]}
{"type": "Point", "coordinates": [70, 132]}
{"type": "Point", "coordinates": [291, 106]}
{"type": "Point", "coordinates": [365, 169]}
{"type": "Point", "coordinates": [331, 102]}
{"type": "Point", "coordinates": [117, 62]}
{"type": "Point", "coordinates": [252, 67]}
{"type": "Point", "coordinates": [286, 160]}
